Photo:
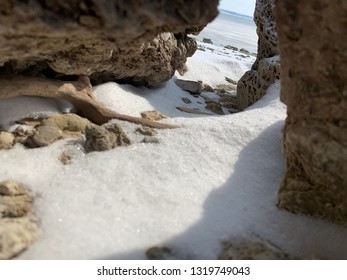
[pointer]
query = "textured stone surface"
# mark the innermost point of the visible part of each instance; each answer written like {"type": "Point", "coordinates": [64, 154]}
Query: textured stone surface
{"type": "Point", "coordinates": [251, 250]}
{"type": "Point", "coordinates": [139, 42]}
{"type": "Point", "coordinates": [18, 227]}
{"type": "Point", "coordinates": [68, 122]}
{"type": "Point", "coordinates": [46, 135]}
{"type": "Point", "coordinates": [254, 84]}
{"type": "Point", "coordinates": [190, 86]}
{"type": "Point", "coordinates": [314, 87]}
{"type": "Point", "coordinates": [6, 140]}
{"type": "Point", "coordinates": [103, 138]}
{"type": "Point", "coordinates": [153, 115]}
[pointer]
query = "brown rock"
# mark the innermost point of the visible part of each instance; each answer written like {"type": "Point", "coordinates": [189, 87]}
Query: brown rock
{"type": "Point", "coordinates": [207, 87]}
{"type": "Point", "coordinates": [215, 107]}
{"type": "Point", "coordinates": [159, 253]}
{"type": "Point", "coordinates": [153, 115]}
{"type": "Point", "coordinates": [6, 140]}
{"type": "Point", "coordinates": [314, 86]}
{"type": "Point", "coordinates": [251, 251]}
{"type": "Point", "coordinates": [105, 40]}
{"type": "Point", "coordinates": [102, 138]}
{"type": "Point", "coordinates": [255, 83]}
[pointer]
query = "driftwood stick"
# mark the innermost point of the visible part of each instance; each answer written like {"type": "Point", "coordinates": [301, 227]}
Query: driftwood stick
{"type": "Point", "coordinates": [78, 93]}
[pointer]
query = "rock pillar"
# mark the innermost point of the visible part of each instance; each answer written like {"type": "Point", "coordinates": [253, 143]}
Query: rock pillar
{"type": "Point", "coordinates": [313, 48]}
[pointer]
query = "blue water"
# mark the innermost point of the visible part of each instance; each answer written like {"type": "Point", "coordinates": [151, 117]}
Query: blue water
{"type": "Point", "coordinates": [234, 30]}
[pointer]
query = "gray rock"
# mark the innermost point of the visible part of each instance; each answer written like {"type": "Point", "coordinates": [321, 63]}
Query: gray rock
{"type": "Point", "coordinates": [150, 140]}
{"type": "Point", "coordinates": [190, 86]}
{"type": "Point", "coordinates": [46, 135]}
{"type": "Point", "coordinates": [207, 41]}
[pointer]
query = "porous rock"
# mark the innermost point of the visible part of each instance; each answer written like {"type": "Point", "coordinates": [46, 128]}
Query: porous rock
{"type": "Point", "coordinates": [18, 227]}
{"type": "Point", "coordinates": [254, 83]}
{"type": "Point", "coordinates": [142, 42]}
{"type": "Point", "coordinates": [314, 88]}
{"type": "Point", "coordinates": [103, 138]}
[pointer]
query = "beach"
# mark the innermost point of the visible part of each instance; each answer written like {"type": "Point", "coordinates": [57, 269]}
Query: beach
{"type": "Point", "coordinates": [213, 179]}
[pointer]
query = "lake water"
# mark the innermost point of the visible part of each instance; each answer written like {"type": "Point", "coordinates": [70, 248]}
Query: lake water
{"type": "Point", "coordinates": [228, 29]}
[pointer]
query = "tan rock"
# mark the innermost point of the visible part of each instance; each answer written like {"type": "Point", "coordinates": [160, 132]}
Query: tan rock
{"type": "Point", "coordinates": [153, 115]}
{"type": "Point", "coordinates": [68, 122]}
{"type": "Point", "coordinates": [16, 235]}
{"type": "Point", "coordinates": [314, 86]}
{"type": "Point", "coordinates": [11, 188]}
{"type": "Point", "coordinates": [18, 227]}
{"type": "Point", "coordinates": [6, 140]}
{"type": "Point", "coordinates": [46, 135]}
{"type": "Point", "coordinates": [266, 69]}
{"type": "Point", "coordinates": [106, 40]}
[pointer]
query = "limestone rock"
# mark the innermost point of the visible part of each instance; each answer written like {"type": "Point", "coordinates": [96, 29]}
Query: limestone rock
{"type": "Point", "coordinates": [102, 138]}
{"type": "Point", "coordinates": [190, 86]}
{"type": "Point", "coordinates": [254, 84]}
{"type": "Point", "coordinates": [143, 42]}
{"type": "Point", "coordinates": [68, 122]}
{"type": "Point", "coordinates": [6, 140]}
{"type": "Point", "coordinates": [16, 235]}
{"type": "Point", "coordinates": [18, 227]}
{"type": "Point", "coordinates": [46, 135]}
{"type": "Point", "coordinates": [314, 86]}
{"type": "Point", "coordinates": [11, 188]}
{"type": "Point", "coordinates": [153, 115]}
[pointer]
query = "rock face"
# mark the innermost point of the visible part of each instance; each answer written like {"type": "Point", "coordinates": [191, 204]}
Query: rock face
{"type": "Point", "coordinates": [254, 84]}
{"type": "Point", "coordinates": [105, 40]}
{"type": "Point", "coordinates": [314, 87]}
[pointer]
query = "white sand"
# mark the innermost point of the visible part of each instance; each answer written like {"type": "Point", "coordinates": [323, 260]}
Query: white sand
{"type": "Point", "coordinates": [216, 178]}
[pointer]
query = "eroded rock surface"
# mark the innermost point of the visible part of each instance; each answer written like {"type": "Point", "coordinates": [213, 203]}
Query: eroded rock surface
{"type": "Point", "coordinates": [18, 226]}
{"type": "Point", "coordinates": [254, 84]}
{"type": "Point", "coordinates": [104, 40]}
{"type": "Point", "coordinates": [314, 88]}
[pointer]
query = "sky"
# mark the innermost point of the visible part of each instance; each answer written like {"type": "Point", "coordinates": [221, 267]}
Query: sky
{"type": "Point", "coordinates": [245, 7]}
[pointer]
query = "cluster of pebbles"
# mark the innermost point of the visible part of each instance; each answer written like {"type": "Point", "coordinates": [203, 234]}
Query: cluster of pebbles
{"type": "Point", "coordinates": [224, 101]}
{"type": "Point", "coordinates": [36, 133]}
